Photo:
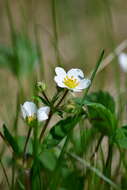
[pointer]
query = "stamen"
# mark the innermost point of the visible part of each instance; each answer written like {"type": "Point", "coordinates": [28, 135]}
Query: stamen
{"type": "Point", "coordinates": [30, 119]}
{"type": "Point", "coordinates": [70, 82]}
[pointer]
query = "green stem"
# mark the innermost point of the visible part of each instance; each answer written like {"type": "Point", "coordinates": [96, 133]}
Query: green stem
{"type": "Point", "coordinates": [54, 20]}
{"type": "Point", "coordinates": [50, 116]}
{"type": "Point", "coordinates": [35, 144]}
{"type": "Point", "coordinates": [109, 161]}
{"type": "Point", "coordinates": [45, 96]}
{"type": "Point", "coordinates": [25, 146]}
{"type": "Point", "coordinates": [15, 125]}
{"type": "Point", "coordinates": [27, 180]}
{"type": "Point", "coordinates": [13, 174]}
{"type": "Point", "coordinates": [55, 180]}
{"type": "Point", "coordinates": [11, 24]}
{"type": "Point", "coordinates": [45, 126]}
{"type": "Point", "coordinates": [40, 50]}
{"type": "Point", "coordinates": [93, 75]}
{"type": "Point", "coordinates": [107, 168]}
{"type": "Point", "coordinates": [63, 97]}
{"type": "Point", "coordinates": [97, 147]}
{"type": "Point", "coordinates": [3, 168]}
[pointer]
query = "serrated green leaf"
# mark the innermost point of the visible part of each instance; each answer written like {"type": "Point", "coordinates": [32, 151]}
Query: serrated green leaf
{"type": "Point", "coordinates": [100, 97]}
{"type": "Point", "coordinates": [103, 98]}
{"type": "Point", "coordinates": [10, 139]}
{"type": "Point", "coordinates": [102, 118]}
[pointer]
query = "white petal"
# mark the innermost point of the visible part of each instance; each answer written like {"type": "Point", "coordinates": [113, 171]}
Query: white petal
{"type": "Point", "coordinates": [77, 90]}
{"type": "Point", "coordinates": [60, 71]}
{"type": "Point", "coordinates": [123, 61]}
{"type": "Point", "coordinates": [59, 81]}
{"type": "Point", "coordinates": [29, 109]}
{"type": "Point", "coordinates": [77, 73]}
{"type": "Point", "coordinates": [45, 109]}
{"type": "Point", "coordinates": [24, 113]}
{"type": "Point", "coordinates": [42, 113]}
{"type": "Point", "coordinates": [83, 84]}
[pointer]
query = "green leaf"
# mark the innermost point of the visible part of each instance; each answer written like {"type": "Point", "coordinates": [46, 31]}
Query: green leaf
{"type": "Point", "coordinates": [102, 118]}
{"type": "Point", "coordinates": [5, 55]}
{"type": "Point", "coordinates": [100, 97]}
{"type": "Point", "coordinates": [103, 98]}
{"type": "Point", "coordinates": [121, 137]}
{"type": "Point", "coordinates": [21, 142]}
{"type": "Point", "coordinates": [48, 159]}
{"type": "Point", "coordinates": [60, 130]}
{"type": "Point", "coordinates": [10, 139]}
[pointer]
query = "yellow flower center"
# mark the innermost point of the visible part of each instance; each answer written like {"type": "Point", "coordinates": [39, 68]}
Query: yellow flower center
{"type": "Point", "coordinates": [30, 119]}
{"type": "Point", "coordinates": [70, 82]}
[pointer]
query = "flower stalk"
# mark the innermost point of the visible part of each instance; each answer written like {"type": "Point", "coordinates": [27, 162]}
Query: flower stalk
{"type": "Point", "coordinates": [51, 114]}
{"type": "Point", "coordinates": [25, 146]}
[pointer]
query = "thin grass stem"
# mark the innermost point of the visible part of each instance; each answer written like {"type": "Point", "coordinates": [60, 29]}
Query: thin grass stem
{"type": "Point", "coordinates": [54, 20]}
{"type": "Point", "coordinates": [5, 173]}
{"type": "Point", "coordinates": [25, 146]}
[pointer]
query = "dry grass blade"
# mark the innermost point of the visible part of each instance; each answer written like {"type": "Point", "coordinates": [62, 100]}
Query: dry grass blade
{"type": "Point", "coordinates": [95, 170]}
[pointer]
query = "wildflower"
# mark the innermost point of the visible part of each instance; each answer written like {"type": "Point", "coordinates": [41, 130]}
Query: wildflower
{"type": "Point", "coordinates": [73, 79]}
{"type": "Point", "coordinates": [123, 61]}
{"type": "Point", "coordinates": [31, 113]}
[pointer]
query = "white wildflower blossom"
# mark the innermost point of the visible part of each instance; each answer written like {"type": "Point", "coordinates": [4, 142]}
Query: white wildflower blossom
{"type": "Point", "coordinates": [30, 112]}
{"type": "Point", "coordinates": [73, 79]}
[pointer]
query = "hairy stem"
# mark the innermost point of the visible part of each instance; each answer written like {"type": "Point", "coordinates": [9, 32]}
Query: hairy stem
{"type": "Point", "coordinates": [45, 126]}
{"type": "Point", "coordinates": [61, 100]}
{"type": "Point", "coordinates": [45, 96]}
{"type": "Point", "coordinates": [50, 116]}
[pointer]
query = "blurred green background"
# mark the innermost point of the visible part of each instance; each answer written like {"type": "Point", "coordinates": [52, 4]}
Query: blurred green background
{"type": "Point", "coordinates": [70, 32]}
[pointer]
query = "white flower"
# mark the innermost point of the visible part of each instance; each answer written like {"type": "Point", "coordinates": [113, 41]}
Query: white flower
{"type": "Point", "coordinates": [30, 112]}
{"type": "Point", "coordinates": [123, 61]}
{"type": "Point", "coordinates": [73, 79]}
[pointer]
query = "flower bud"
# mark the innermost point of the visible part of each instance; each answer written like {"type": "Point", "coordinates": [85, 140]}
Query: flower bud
{"type": "Point", "coordinates": [40, 86]}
